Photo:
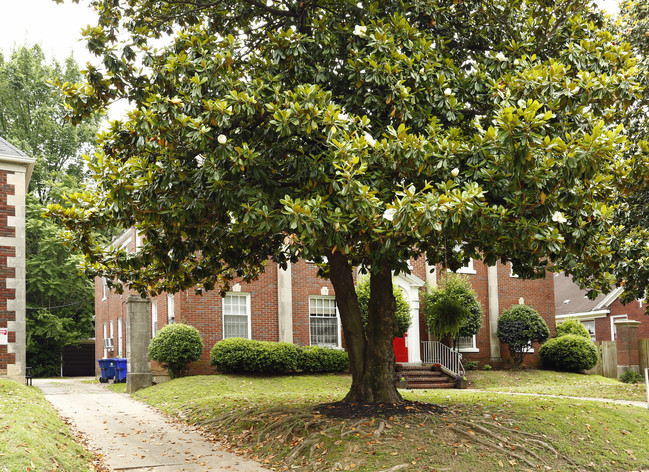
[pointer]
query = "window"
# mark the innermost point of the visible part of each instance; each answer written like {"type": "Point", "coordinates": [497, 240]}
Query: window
{"type": "Point", "coordinates": [467, 269]}
{"type": "Point", "coordinates": [590, 326]}
{"type": "Point", "coordinates": [324, 326]}
{"type": "Point", "coordinates": [112, 336]}
{"type": "Point", "coordinates": [236, 316]}
{"type": "Point", "coordinates": [105, 336]}
{"type": "Point", "coordinates": [511, 272]}
{"type": "Point", "coordinates": [154, 319]}
{"type": "Point", "coordinates": [171, 309]}
{"type": "Point", "coordinates": [467, 344]}
{"type": "Point", "coordinates": [119, 337]}
{"type": "Point", "coordinates": [613, 327]}
{"type": "Point", "coordinates": [105, 289]}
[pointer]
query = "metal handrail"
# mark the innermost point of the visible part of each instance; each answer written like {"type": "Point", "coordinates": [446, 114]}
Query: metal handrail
{"type": "Point", "coordinates": [434, 352]}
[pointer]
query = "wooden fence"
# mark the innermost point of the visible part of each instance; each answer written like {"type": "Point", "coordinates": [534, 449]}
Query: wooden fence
{"type": "Point", "coordinates": [607, 364]}
{"type": "Point", "coordinates": [643, 345]}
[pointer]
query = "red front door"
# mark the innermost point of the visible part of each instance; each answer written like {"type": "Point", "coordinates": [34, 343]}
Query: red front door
{"type": "Point", "coordinates": [400, 349]}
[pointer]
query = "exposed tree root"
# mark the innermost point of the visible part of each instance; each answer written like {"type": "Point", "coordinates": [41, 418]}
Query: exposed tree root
{"type": "Point", "coordinates": [530, 437]}
{"type": "Point", "coordinates": [279, 423]}
{"type": "Point", "coordinates": [395, 468]}
{"type": "Point", "coordinates": [500, 438]}
{"type": "Point", "coordinates": [493, 445]}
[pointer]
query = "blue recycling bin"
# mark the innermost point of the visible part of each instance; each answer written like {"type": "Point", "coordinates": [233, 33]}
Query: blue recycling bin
{"type": "Point", "coordinates": [120, 370]}
{"type": "Point", "coordinates": [107, 367]}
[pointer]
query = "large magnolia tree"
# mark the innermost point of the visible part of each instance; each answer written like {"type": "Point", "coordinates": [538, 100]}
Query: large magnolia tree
{"type": "Point", "coordinates": [366, 132]}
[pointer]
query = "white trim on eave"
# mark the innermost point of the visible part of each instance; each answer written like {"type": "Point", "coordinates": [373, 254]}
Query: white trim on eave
{"type": "Point", "coordinates": [585, 315]}
{"type": "Point", "coordinates": [610, 298]}
{"type": "Point", "coordinates": [28, 162]}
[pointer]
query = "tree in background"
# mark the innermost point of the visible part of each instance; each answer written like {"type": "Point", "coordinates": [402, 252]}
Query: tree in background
{"type": "Point", "coordinates": [452, 309]}
{"type": "Point", "coordinates": [401, 314]}
{"type": "Point", "coordinates": [60, 300]}
{"type": "Point", "coordinates": [627, 261]}
{"type": "Point", "coordinates": [366, 132]}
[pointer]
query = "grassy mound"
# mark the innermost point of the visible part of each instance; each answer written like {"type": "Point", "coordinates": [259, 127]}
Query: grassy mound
{"type": "Point", "coordinates": [33, 437]}
{"type": "Point", "coordinates": [275, 420]}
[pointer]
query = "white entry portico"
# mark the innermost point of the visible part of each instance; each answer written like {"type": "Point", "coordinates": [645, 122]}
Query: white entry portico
{"type": "Point", "coordinates": [410, 285]}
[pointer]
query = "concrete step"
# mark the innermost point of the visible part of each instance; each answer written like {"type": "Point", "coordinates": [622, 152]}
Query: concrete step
{"type": "Point", "coordinates": [431, 385]}
{"type": "Point", "coordinates": [426, 378]}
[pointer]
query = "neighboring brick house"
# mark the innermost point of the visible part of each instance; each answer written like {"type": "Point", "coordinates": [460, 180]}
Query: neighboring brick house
{"type": "Point", "coordinates": [599, 315]}
{"type": "Point", "coordinates": [295, 305]}
{"type": "Point", "coordinates": [15, 171]}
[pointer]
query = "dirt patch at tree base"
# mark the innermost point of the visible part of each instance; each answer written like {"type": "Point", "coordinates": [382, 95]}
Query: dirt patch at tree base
{"type": "Point", "coordinates": [374, 410]}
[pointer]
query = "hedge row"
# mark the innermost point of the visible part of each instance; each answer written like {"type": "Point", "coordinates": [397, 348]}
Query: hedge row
{"type": "Point", "coordinates": [237, 355]}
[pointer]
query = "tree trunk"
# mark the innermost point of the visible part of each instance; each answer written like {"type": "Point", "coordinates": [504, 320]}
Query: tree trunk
{"type": "Point", "coordinates": [370, 350]}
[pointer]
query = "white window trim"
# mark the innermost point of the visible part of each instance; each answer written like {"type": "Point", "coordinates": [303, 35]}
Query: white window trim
{"type": "Point", "coordinates": [104, 286]}
{"type": "Point", "coordinates": [248, 312]}
{"type": "Point", "coordinates": [120, 334]}
{"type": "Point", "coordinates": [105, 336]}
{"type": "Point", "coordinates": [467, 269]}
{"type": "Point", "coordinates": [171, 309]}
{"type": "Point", "coordinates": [613, 320]}
{"type": "Point", "coordinates": [154, 319]}
{"type": "Point", "coordinates": [511, 272]}
{"type": "Point", "coordinates": [471, 349]}
{"type": "Point", "coordinates": [338, 324]}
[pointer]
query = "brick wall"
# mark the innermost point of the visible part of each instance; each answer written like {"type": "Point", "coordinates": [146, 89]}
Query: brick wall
{"type": "Point", "coordinates": [6, 272]}
{"type": "Point", "coordinates": [539, 294]}
{"type": "Point", "coordinates": [634, 312]}
{"type": "Point", "coordinates": [205, 311]}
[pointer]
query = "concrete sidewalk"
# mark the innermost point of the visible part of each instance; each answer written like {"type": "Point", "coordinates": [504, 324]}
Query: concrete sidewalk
{"type": "Point", "coordinates": [133, 436]}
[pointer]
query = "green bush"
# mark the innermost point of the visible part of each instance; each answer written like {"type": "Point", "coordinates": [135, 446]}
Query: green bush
{"type": "Point", "coordinates": [631, 377]}
{"type": "Point", "coordinates": [519, 327]}
{"type": "Point", "coordinates": [315, 359]}
{"type": "Point", "coordinates": [486, 367]}
{"type": "Point", "coordinates": [453, 308]}
{"type": "Point", "coordinates": [570, 353]}
{"type": "Point", "coordinates": [401, 315]}
{"type": "Point", "coordinates": [572, 326]}
{"type": "Point", "coordinates": [470, 365]}
{"type": "Point", "coordinates": [246, 356]}
{"type": "Point", "coordinates": [238, 355]}
{"type": "Point", "coordinates": [175, 346]}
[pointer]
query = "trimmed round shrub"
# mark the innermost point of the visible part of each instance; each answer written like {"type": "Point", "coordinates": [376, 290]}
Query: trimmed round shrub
{"type": "Point", "coordinates": [401, 315]}
{"type": "Point", "coordinates": [572, 326]}
{"type": "Point", "coordinates": [316, 359]}
{"type": "Point", "coordinates": [175, 346]}
{"type": "Point", "coordinates": [519, 327]}
{"type": "Point", "coordinates": [569, 353]}
{"type": "Point", "coordinates": [237, 355]}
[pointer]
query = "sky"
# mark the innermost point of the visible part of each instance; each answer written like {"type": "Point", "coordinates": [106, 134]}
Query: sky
{"type": "Point", "coordinates": [58, 27]}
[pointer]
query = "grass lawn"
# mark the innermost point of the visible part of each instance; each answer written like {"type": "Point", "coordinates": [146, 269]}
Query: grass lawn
{"type": "Point", "coordinates": [33, 437]}
{"type": "Point", "coordinates": [273, 420]}
{"type": "Point", "coordinates": [556, 383]}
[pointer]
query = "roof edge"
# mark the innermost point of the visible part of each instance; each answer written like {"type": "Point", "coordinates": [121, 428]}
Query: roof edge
{"type": "Point", "coordinates": [25, 160]}
{"type": "Point", "coordinates": [584, 315]}
{"type": "Point", "coordinates": [610, 298]}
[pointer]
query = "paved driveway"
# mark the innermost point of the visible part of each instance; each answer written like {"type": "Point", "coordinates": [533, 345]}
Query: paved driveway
{"type": "Point", "coordinates": [133, 436]}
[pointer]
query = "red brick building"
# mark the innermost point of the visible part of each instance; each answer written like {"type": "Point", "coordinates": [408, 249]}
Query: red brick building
{"type": "Point", "coordinates": [15, 171]}
{"type": "Point", "coordinates": [294, 305]}
{"type": "Point", "coordinates": [599, 315]}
